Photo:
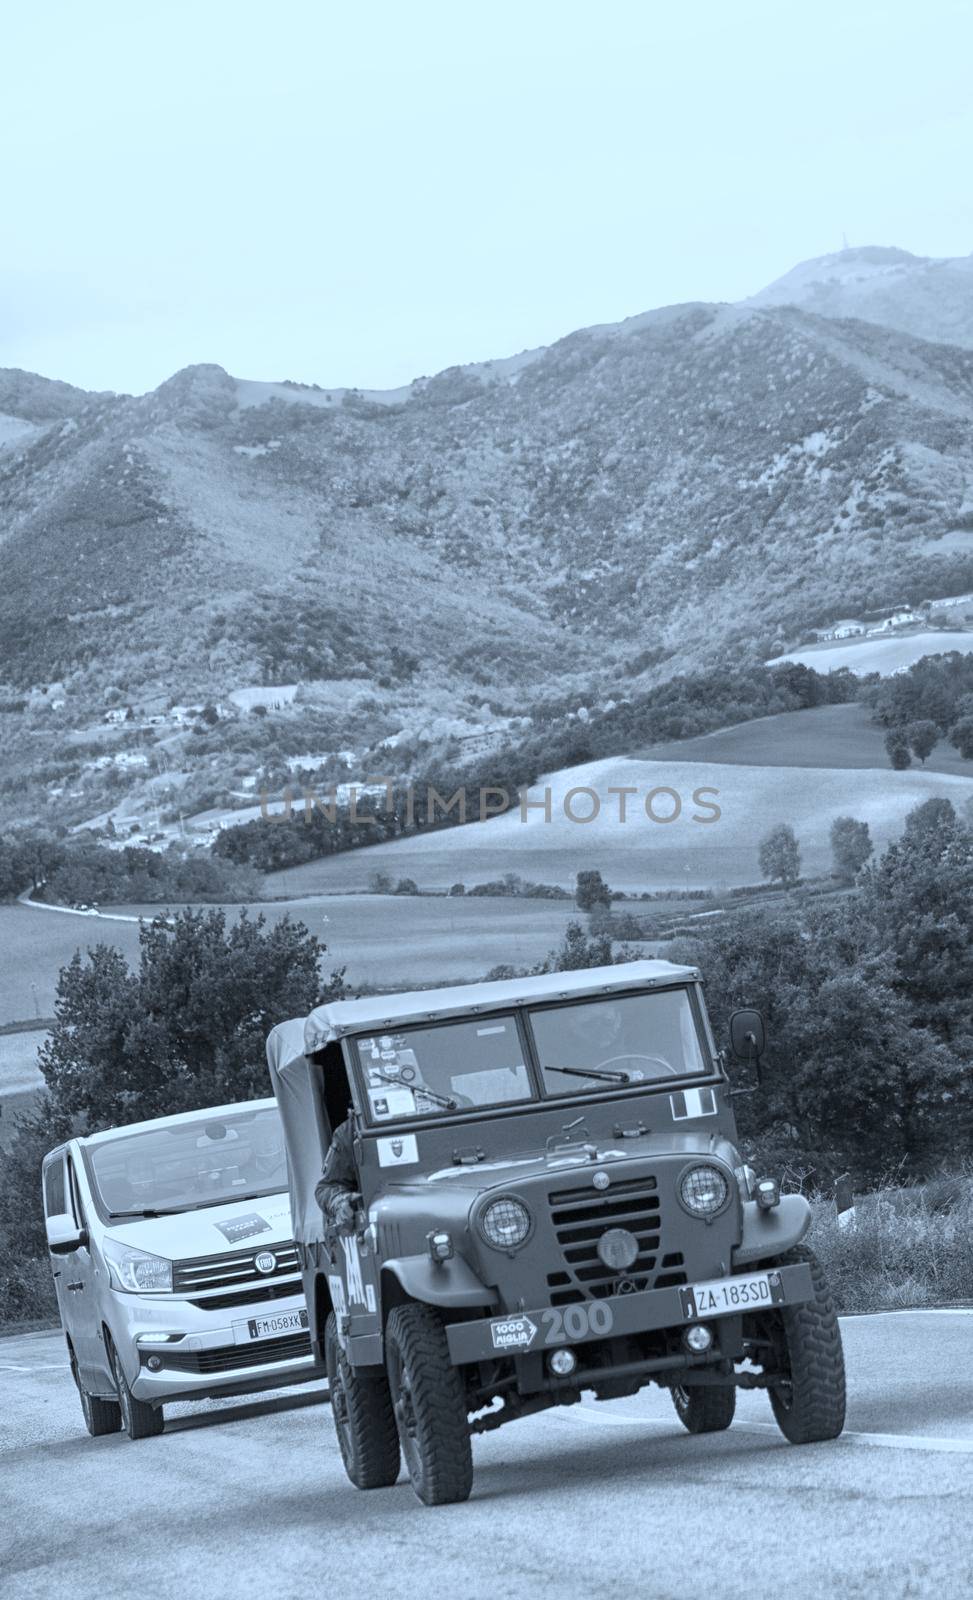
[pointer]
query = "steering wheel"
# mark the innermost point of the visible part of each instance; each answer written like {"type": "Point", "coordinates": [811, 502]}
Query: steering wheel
{"type": "Point", "coordinates": [634, 1055]}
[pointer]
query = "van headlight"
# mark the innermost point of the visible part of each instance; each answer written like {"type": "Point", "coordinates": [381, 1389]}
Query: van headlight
{"type": "Point", "coordinates": [136, 1271]}
{"type": "Point", "coordinates": [505, 1222]}
{"type": "Point", "coordinates": [703, 1190]}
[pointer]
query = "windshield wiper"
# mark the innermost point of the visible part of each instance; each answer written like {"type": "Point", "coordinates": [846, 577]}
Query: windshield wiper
{"type": "Point", "coordinates": [152, 1211]}
{"type": "Point", "coordinates": [419, 1088]}
{"type": "Point", "coordinates": [592, 1072]}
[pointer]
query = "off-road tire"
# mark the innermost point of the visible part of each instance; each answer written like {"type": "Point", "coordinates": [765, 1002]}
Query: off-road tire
{"type": "Point", "coordinates": [100, 1416]}
{"type": "Point", "coordinates": [363, 1417]}
{"type": "Point", "coordinates": [430, 1406]}
{"type": "Point", "coordinates": [704, 1410]}
{"type": "Point", "coordinates": [812, 1406]}
{"type": "Point", "coordinates": [139, 1421]}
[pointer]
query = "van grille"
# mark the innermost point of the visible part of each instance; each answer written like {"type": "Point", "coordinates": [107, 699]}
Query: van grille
{"type": "Point", "coordinates": [231, 1357]}
{"type": "Point", "coordinates": [233, 1271]}
{"type": "Point", "coordinates": [581, 1216]}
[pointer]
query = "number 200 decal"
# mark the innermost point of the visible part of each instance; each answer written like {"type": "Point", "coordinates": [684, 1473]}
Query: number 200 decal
{"type": "Point", "coordinates": [576, 1322]}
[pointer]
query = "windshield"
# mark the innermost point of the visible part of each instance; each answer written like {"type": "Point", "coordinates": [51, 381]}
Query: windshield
{"type": "Point", "coordinates": [426, 1071]}
{"type": "Point", "coordinates": [638, 1038]}
{"type": "Point", "coordinates": [190, 1164]}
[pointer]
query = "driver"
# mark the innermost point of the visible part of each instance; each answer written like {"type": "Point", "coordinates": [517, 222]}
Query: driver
{"type": "Point", "coordinates": [337, 1191]}
{"type": "Point", "coordinates": [599, 1030]}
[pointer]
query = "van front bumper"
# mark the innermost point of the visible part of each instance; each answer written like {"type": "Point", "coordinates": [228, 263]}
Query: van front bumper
{"type": "Point", "coordinates": [518, 1333]}
{"type": "Point", "coordinates": [206, 1353]}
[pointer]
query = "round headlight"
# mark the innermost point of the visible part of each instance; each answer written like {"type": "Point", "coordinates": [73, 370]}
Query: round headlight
{"type": "Point", "coordinates": [505, 1223]}
{"type": "Point", "coordinates": [703, 1191]}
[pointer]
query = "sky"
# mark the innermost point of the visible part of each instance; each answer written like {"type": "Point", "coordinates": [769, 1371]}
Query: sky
{"type": "Point", "coordinates": [360, 194]}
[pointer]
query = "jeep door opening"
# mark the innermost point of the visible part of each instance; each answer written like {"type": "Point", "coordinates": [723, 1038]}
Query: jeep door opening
{"type": "Point", "coordinates": [553, 1201]}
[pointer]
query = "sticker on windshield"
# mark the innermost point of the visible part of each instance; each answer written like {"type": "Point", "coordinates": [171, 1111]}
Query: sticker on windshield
{"type": "Point", "coordinates": [693, 1103]}
{"type": "Point", "coordinates": [403, 1152]}
{"type": "Point", "coordinates": [393, 1103]}
{"type": "Point", "coordinates": [236, 1228]}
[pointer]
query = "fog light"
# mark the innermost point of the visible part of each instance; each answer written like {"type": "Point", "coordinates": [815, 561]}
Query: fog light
{"type": "Point", "coordinates": [562, 1362]}
{"type": "Point", "coordinates": [440, 1246]}
{"type": "Point", "coordinates": [767, 1194]}
{"type": "Point", "coordinates": [698, 1339]}
{"type": "Point", "coordinates": [157, 1338]}
{"type": "Point", "coordinates": [154, 1364]}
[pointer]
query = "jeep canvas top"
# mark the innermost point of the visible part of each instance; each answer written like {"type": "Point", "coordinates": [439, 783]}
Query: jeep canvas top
{"type": "Point", "coordinates": [550, 1200]}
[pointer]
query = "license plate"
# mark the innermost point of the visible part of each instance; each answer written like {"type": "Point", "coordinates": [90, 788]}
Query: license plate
{"type": "Point", "coordinates": [272, 1327]}
{"type": "Point", "coordinates": [727, 1297]}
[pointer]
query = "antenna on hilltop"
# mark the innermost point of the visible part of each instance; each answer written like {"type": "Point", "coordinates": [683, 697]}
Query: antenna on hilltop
{"type": "Point", "coordinates": [844, 242]}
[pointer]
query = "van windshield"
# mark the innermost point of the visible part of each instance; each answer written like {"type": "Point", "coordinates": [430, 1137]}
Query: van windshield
{"type": "Point", "coordinates": [184, 1166]}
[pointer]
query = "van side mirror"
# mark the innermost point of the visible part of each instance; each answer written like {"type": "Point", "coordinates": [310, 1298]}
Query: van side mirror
{"type": "Point", "coordinates": [747, 1040]}
{"type": "Point", "coordinates": [64, 1235]}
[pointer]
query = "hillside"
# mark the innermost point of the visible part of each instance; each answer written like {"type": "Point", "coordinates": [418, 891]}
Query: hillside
{"type": "Point", "coordinates": [694, 485]}
{"type": "Point", "coordinates": [930, 298]}
{"type": "Point", "coordinates": [640, 854]}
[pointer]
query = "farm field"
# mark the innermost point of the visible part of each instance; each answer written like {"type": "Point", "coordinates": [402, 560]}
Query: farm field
{"type": "Point", "coordinates": [640, 854]}
{"type": "Point", "coordinates": [825, 736]}
{"type": "Point", "coordinates": [885, 656]}
{"type": "Point", "coordinates": [393, 939]}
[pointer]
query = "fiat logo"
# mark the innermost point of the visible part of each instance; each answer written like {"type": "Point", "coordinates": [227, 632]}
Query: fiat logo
{"type": "Point", "coordinates": [265, 1262]}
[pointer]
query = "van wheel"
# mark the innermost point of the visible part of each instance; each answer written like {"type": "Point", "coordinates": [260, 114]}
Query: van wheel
{"type": "Point", "coordinates": [809, 1403]}
{"type": "Point", "coordinates": [100, 1416]}
{"type": "Point", "coordinates": [430, 1406]}
{"type": "Point", "coordinates": [363, 1417]}
{"type": "Point", "coordinates": [704, 1409]}
{"type": "Point", "coordinates": [139, 1420]}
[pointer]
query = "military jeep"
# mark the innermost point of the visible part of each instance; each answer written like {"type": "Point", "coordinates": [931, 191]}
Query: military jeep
{"type": "Point", "coordinates": [552, 1202]}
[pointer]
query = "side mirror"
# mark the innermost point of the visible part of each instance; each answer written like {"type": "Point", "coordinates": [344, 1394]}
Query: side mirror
{"type": "Point", "coordinates": [747, 1039]}
{"type": "Point", "coordinates": [64, 1235]}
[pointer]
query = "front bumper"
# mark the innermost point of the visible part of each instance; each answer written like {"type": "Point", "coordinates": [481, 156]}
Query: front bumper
{"type": "Point", "coordinates": [206, 1352]}
{"type": "Point", "coordinates": [526, 1332]}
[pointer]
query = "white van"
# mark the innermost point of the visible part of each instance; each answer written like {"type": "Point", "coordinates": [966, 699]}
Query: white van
{"type": "Point", "coordinates": [177, 1277]}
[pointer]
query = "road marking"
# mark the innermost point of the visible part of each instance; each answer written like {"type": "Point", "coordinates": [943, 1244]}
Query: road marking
{"type": "Point", "coordinates": [885, 1441]}
{"type": "Point", "coordinates": [52, 1366]}
{"type": "Point", "coordinates": [912, 1311]}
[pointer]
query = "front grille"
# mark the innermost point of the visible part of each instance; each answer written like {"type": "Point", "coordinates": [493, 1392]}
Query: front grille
{"type": "Point", "coordinates": [234, 1270]}
{"type": "Point", "coordinates": [231, 1357]}
{"type": "Point", "coordinates": [581, 1216]}
{"type": "Point", "coordinates": [249, 1297]}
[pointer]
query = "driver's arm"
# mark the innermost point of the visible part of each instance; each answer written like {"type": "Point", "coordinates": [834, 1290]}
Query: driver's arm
{"type": "Point", "coordinates": [336, 1193]}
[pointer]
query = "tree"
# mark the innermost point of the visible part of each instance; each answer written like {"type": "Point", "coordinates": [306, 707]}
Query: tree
{"type": "Point", "coordinates": [406, 886]}
{"type": "Point", "coordinates": [851, 846]}
{"type": "Point", "coordinates": [922, 738]}
{"type": "Point", "coordinates": [380, 883]}
{"type": "Point", "coordinates": [577, 951]}
{"type": "Point", "coordinates": [897, 746]}
{"type": "Point", "coordinates": [961, 736]}
{"type": "Point", "coordinates": [591, 891]}
{"type": "Point", "coordinates": [457, 888]}
{"type": "Point", "coordinates": [780, 855]}
{"type": "Point", "coordinates": [188, 1028]}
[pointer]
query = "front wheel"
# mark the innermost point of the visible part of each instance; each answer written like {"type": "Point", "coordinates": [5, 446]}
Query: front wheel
{"type": "Point", "coordinates": [809, 1401]}
{"type": "Point", "coordinates": [100, 1416]}
{"type": "Point", "coordinates": [706, 1409]}
{"type": "Point", "coordinates": [139, 1420]}
{"type": "Point", "coordinates": [430, 1406]}
{"type": "Point", "coordinates": [363, 1417]}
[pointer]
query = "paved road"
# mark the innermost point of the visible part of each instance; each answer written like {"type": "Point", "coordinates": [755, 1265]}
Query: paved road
{"type": "Point", "coordinates": [249, 1500]}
